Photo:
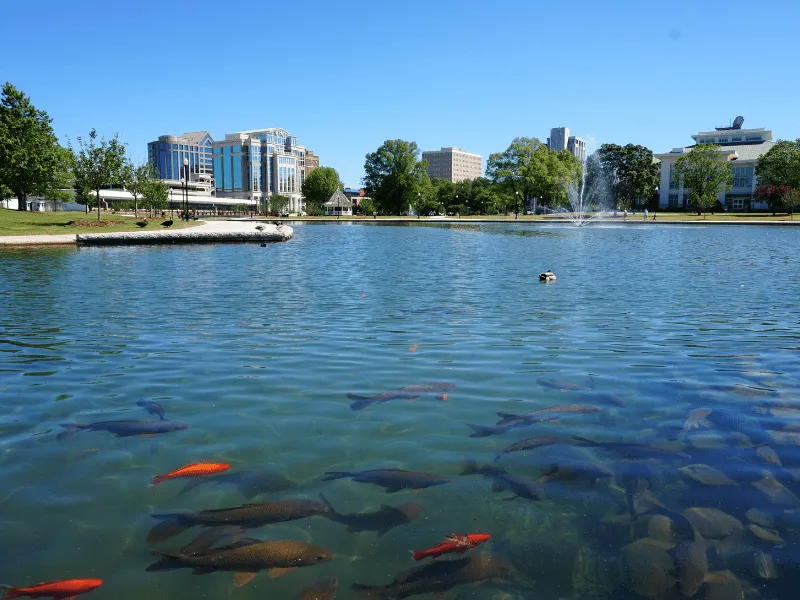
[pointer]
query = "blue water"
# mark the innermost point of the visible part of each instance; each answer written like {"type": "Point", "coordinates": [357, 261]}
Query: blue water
{"type": "Point", "coordinates": [256, 348]}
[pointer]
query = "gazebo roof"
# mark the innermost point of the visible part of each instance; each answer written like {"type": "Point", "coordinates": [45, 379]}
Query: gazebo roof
{"type": "Point", "coordinates": [338, 200]}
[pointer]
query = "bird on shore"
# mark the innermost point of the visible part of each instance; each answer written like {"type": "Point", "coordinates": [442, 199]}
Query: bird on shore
{"type": "Point", "coordinates": [142, 223]}
{"type": "Point", "coordinates": [260, 227]}
{"type": "Point", "coordinates": [167, 223]}
{"type": "Point", "coordinates": [278, 224]}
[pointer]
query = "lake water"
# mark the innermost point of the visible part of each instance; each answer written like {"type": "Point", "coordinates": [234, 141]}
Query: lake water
{"type": "Point", "coordinates": [257, 348]}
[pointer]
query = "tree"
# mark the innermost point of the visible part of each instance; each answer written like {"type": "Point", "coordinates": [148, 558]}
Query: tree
{"type": "Point", "coordinates": [31, 159]}
{"type": "Point", "coordinates": [99, 166]}
{"type": "Point", "coordinates": [318, 187]}
{"type": "Point", "coordinates": [630, 171]}
{"type": "Point", "coordinates": [278, 203]}
{"type": "Point", "coordinates": [155, 193]}
{"type": "Point", "coordinates": [791, 201]}
{"type": "Point", "coordinates": [707, 173]}
{"type": "Point", "coordinates": [773, 195]}
{"type": "Point", "coordinates": [781, 165]}
{"type": "Point", "coordinates": [134, 179]}
{"type": "Point", "coordinates": [395, 178]}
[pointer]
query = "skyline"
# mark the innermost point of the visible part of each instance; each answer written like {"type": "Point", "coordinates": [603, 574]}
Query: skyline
{"type": "Point", "coordinates": [345, 78]}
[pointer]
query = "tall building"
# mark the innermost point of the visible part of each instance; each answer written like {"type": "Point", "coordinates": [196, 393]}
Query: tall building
{"type": "Point", "coordinates": [312, 162]}
{"type": "Point", "coordinates": [741, 147]}
{"type": "Point", "coordinates": [253, 165]}
{"type": "Point", "coordinates": [453, 164]}
{"type": "Point", "coordinates": [168, 152]}
{"type": "Point", "coordinates": [560, 139]}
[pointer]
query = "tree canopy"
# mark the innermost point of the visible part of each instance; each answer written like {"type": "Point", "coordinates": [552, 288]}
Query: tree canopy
{"type": "Point", "coordinates": [706, 172]}
{"type": "Point", "coordinates": [781, 165]}
{"type": "Point", "coordinates": [395, 179]}
{"type": "Point", "coordinates": [135, 179]}
{"type": "Point", "coordinates": [31, 160]}
{"type": "Point", "coordinates": [630, 172]}
{"type": "Point", "coordinates": [318, 187]}
{"type": "Point", "coordinates": [100, 165]}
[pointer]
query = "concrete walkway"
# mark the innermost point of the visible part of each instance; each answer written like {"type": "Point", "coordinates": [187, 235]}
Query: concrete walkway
{"type": "Point", "coordinates": [207, 232]}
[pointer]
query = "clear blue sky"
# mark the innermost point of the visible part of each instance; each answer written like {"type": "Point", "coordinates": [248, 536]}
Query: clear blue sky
{"type": "Point", "coordinates": [345, 76]}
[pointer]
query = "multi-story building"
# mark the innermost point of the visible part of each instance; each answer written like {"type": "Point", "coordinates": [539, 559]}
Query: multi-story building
{"type": "Point", "coordinates": [168, 152]}
{"type": "Point", "coordinates": [312, 162]}
{"type": "Point", "coordinates": [560, 139]}
{"type": "Point", "coordinates": [253, 165]}
{"type": "Point", "coordinates": [741, 147]}
{"type": "Point", "coordinates": [453, 164]}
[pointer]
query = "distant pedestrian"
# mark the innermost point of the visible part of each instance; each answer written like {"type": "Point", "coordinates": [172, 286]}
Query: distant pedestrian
{"type": "Point", "coordinates": [645, 214]}
{"type": "Point", "coordinates": [625, 215]}
{"type": "Point", "coordinates": [654, 216]}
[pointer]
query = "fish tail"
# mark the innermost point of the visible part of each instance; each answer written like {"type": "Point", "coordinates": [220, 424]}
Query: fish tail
{"type": "Point", "coordinates": [360, 401]}
{"type": "Point", "coordinates": [6, 591]}
{"type": "Point", "coordinates": [69, 429]}
{"type": "Point", "coordinates": [165, 562]}
{"type": "Point", "coordinates": [158, 479]}
{"type": "Point", "coordinates": [585, 440]}
{"type": "Point", "coordinates": [170, 526]}
{"type": "Point", "coordinates": [481, 430]}
{"type": "Point", "coordinates": [417, 555]}
{"type": "Point", "coordinates": [327, 503]}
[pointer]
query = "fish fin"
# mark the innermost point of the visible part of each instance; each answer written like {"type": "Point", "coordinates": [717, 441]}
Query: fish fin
{"type": "Point", "coordinates": [193, 484]}
{"type": "Point", "coordinates": [171, 525]}
{"type": "Point", "coordinates": [470, 467]}
{"type": "Point", "coordinates": [242, 578]}
{"type": "Point", "coordinates": [70, 598]}
{"type": "Point", "coordinates": [142, 435]}
{"type": "Point", "coordinates": [275, 573]}
{"type": "Point", "coordinates": [482, 430]}
{"type": "Point", "coordinates": [331, 475]}
{"type": "Point", "coordinates": [69, 429]}
{"type": "Point", "coordinates": [166, 562]}
{"type": "Point", "coordinates": [203, 570]}
{"type": "Point", "coordinates": [361, 404]}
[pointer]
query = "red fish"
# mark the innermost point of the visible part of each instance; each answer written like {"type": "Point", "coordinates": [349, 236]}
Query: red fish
{"type": "Point", "coordinates": [193, 470]}
{"type": "Point", "coordinates": [452, 543]}
{"type": "Point", "coordinates": [61, 590]}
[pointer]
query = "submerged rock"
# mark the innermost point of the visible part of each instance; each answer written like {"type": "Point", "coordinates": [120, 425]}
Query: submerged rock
{"type": "Point", "coordinates": [706, 475]}
{"type": "Point", "coordinates": [776, 491]}
{"type": "Point", "coordinates": [713, 523]}
{"type": "Point", "coordinates": [649, 567]}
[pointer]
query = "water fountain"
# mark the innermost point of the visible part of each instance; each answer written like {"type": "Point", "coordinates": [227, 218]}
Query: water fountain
{"type": "Point", "coordinates": [585, 205]}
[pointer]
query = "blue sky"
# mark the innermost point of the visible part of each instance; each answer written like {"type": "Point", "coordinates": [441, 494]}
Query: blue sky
{"type": "Point", "coordinates": [345, 76]}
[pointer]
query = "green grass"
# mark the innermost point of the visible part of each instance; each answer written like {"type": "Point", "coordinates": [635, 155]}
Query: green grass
{"type": "Point", "coordinates": [14, 222]}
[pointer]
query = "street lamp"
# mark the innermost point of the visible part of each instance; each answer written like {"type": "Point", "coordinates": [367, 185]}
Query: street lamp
{"type": "Point", "coordinates": [186, 185]}
{"type": "Point", "coordinates": [516, 205]}
{"type": "Point", "coordinates": [458, 206]}
{"type": "Point", "coordinates": [419, 200]}
{"type": "Point", "coordinates": [171, 206]}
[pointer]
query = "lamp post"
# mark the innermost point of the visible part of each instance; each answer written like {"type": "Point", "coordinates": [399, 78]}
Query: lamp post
{"type": "Point", "coordinates": [419, 201]}
{"type": "Point", "coordinates": [171, 206]}
{"type": "Point", "coordinates": [516, 205]}
{"type": "Point", "coordinates": [458, 206]}
{"type": "Point", "coordinates": [186, 185]}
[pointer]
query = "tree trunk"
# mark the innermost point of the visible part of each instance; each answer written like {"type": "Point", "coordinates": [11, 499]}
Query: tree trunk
{"type": "Point", "coordinates": [98, 204]}
{"type": "Point", "coordinates": [22, 201]}
{"type": "Point", "coordinates": [135, 211]}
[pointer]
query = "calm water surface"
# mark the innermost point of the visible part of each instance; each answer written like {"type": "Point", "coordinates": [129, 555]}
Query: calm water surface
{"type": "Point", "coordinates": [256, 349]}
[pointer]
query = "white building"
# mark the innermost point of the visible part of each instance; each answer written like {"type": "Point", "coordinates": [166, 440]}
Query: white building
{"type": "Point", "coordinates": [741, 146]}
{"type": "Point", "coordinates": [453, 164]}
{"type": "Point", "coordinates": [560, 139]}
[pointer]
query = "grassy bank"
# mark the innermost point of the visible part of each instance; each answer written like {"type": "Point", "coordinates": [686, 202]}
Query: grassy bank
{"type": "Point", "coordinates": [14, 222]}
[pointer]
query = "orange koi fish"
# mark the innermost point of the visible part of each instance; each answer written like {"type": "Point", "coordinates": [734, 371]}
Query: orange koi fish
{"type": "Point", "coordinates": [193, 470]}
{"type": "Point", "coordinates": [452, 543]}
{"type": "Point", "coordinates": [60, 590]}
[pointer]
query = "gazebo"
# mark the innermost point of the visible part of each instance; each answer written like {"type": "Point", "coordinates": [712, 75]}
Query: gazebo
{"type": "Point", "coordinates": [338, 204]}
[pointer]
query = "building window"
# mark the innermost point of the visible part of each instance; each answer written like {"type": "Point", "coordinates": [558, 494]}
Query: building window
{"type": "Point", "coordinates": [673, 201]}
{"type": "Point", "coordinates": [736, 139]}
{"type": "Point", "coordinates": [753, 138]}
{"type": "Point", "coordinates": [742, 177]}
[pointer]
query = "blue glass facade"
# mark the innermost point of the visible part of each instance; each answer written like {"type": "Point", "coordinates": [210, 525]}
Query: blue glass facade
{"type": "Point", "coordinates": [168, 153]}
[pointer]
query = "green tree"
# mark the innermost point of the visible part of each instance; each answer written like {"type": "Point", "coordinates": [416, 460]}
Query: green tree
{"type": "Point", "coordinates": [395, 178]}
{"type": "Point", "coordinates": [99, 166]}
{"type": "Point", "coordinates": [791, 201]}
{"type": "Point", "coordinates": [63, 183]}
{"type": "Point", "coordinates": [367, 206]}
{"type": "Point", "coordinates": [318, 187]}
{"type": "Point", "coordinates": [135, 178]}
{"type": "Point", "coordinates": [781, 165]}
{"type": "Point", "coordinates": [707, 173]}
{"type": "Point", "coordinates": [155, 194]}
{"type": "Point", "coordinates": [278, 203]}
{"type": "Point", "coordinates": [631, 173]}
{"type": "Point", "coordinates": [31, 159]}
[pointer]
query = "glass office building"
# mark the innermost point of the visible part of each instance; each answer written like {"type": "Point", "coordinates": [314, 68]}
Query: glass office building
{"type": "Point", "coordinates": [168, 152]}
{"type": "Point", "coordinates": [253, 165]}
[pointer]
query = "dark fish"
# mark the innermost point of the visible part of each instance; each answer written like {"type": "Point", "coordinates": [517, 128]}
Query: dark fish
{"type": "Point", "coordinates": [563, 386]}
{"type": "Point", "coordinates": [575, 470]}
{"type": "Point", "coordinates": [246, 557]}
{"type": "Point", "coordinates": [209, 538]}
{"type": "Point", "coordinates": [507, 425]}
{"type": "Point", "coordinates": [503, 480]}
{"type": "Point", "coordinates": [436, 577]}
{"type": "Point", "coordinates": [324, 589]}
{"type": "Point", "coordinates": [409, 392]}
{"type": "Point", "coordinates": [632, 450]}
{"type": "Point", "coordinates": [247, 516]}
{"type": "Point", "coordinates": [551, 412]}
{"type": "Point", "coordinates": [152, 408]}
{"type": "Point", "coordinates": [380, 521]}
{"type": "Point", "coordinates": [530, 443]}
{"type": "Point", "coordinates": [393, 480]}
{"type": "Point", "coordinates": [250, 483]}
{"type": "Point", "coordinates": [124, 428]}
{"type": "Point", "coordinates": [691, 561]}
